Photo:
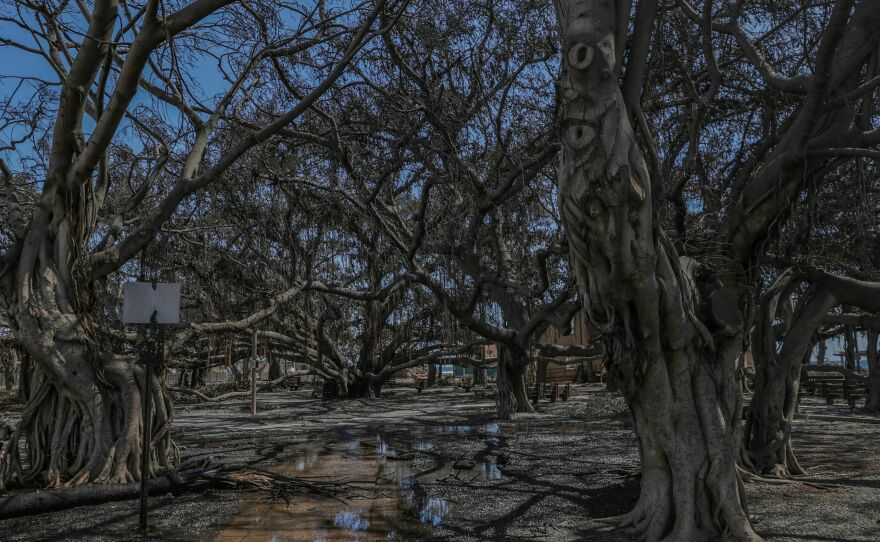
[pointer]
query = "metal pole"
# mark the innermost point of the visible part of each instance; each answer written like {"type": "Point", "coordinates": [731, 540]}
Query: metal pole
{"type": "Point", "coordinates": [145, 451]}
{"type": "Point", "coordinates": [254, 377]}
{"type": "Point", "coordinates": [147, 408]}
{"type": "Point", "coordinates": [253, 391]}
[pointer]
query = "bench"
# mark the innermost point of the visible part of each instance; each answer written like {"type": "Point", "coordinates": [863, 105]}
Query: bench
{"type": "Point", "coordinates": [833, 385]}
{"type": "Point", "coordinates": [551, 392]}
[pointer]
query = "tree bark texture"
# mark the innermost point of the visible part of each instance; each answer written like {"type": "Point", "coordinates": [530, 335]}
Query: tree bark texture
{"type": "Point", "coordinates": [512, 396]}
{"type": "Point", "coordinates": [766, 446]}
{"type": "Point", "coordinates": [767, 434]}
{"type": "Point", "coordinates": [678, 380]}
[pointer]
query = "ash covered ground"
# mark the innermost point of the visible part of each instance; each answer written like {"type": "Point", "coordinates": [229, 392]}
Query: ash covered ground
{"type": "Point", "coordinates": [457, 474]}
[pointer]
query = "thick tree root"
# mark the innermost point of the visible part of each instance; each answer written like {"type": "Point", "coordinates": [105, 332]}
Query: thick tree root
{"type": "Point", "coordinates": [67, 439]}
{"type": "Point", "coordinates": [194, 479]}
{"type": "Point", "coordinates": [24, 504]}
{"type": "Point", "coordinates": [749, 476]}
{"type": "Point", "coordinates": [775, 459]}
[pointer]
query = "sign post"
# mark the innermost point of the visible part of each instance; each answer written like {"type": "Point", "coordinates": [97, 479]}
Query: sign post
{"type": "Point", "coordinates": [254, 375]}
{"type": "Point", "coordinates": [151, 305]}
{"type": "Point", "coordinates": [152, 356]}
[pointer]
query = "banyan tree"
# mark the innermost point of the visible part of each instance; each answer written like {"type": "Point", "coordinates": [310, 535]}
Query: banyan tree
{"type": "Point", "coordinates": [670, 189]}
{"type": "Point", "coordinates": [104, 196]}
{"type": "Point", "coordinates": [362, 188]}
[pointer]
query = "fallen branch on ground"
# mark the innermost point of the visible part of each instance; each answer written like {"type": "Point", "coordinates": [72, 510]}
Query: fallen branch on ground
{"type": "Point", "coordinates": [233, 394]}
{"type": "Point", "coordinates": [193, 479]}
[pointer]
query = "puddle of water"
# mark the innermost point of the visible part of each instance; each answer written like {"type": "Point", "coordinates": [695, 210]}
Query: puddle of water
{"type": "Point", "coordinates": [306, 460]}
{"type": "Point", "coordinates": [434, 511]}
{"type": "Point", "coordinates": [490, 471]}
{"type": "Point", "coordinates": [387, 501]}
{"type": "Point", "coordinates": [371, 512]}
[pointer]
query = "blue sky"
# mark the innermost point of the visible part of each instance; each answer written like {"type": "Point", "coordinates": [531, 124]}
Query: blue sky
{"type": "Point", "coordinates": [836, 345]}
{"type": "Point", "coordinates": [16, 63]}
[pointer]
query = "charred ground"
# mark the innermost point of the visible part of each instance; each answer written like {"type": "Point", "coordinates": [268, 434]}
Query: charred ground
{"type": "Point", "coordinates": [545, 476]}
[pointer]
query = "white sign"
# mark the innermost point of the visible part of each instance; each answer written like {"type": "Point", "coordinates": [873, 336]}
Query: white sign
{"type": "Point", "coordinates": [141, 299]}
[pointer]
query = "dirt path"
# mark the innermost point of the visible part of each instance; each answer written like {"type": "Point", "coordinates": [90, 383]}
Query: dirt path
{"type": "Point", "coordinates": [434, 465]}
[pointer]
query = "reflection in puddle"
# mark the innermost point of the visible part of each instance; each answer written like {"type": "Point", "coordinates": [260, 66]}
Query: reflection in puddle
{"type": "Point", "coordinates": [306, 460]}
{"type": "Point", "coordinates": [423, 445]}
{"type": "Point", "coordinates": [351, 521]}
{"type": "Point", "coordinates": [490, 471]}
{"type": "Point", "coordinates": [434, 511]}
{"type": "Point", "coordinates": [387, 499]}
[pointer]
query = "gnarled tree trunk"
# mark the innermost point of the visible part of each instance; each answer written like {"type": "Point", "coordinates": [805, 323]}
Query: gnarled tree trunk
{"type": "Point", "coordinates": [767, 434]}
{"type": "Point", "coordinates": [510, 380]}
{"type": "Point", "coordinates": [82, 422]}
{"type": "Point", "coordinates": [676, 376]}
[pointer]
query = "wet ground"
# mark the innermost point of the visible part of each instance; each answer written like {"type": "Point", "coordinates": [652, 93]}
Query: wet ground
{"type": "Point", "coordinates": [436, 466]}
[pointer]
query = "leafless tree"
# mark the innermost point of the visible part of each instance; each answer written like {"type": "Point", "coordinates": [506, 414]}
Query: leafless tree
{"type": "Point", "coordinates": [671, 312]}
{"type": "Point", "coordinates": [118, 67]}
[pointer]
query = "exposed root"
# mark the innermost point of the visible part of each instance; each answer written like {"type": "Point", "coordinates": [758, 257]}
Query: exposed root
{"type": "Point", "coordinates": [748, 476]}
{"type": "Point", "coordinates": [193, 478]}
{"type": "Point", "coordinates": [66, 439]}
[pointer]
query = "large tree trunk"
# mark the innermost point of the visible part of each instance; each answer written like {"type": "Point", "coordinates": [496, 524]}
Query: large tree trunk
{"type": "Point", "coordinates": [767, 447]}
{"type": "Point", "coordinates": [873, 404]}
{"type": "Point", "coordinates": [677, 377]}
{"type": "Point", "coordinates": [512, 395]}
{"type": "Point", "coordinates": [83, 420]}
{"type": "Point", "coordinates": [767, 435]}
{"type": "Point", "coordinates": [368, 386]}
{"type": "Point", "coordinates": [374, 383]}
{"type": "Point", "coordinates": [770, 417]}
{"type": "Point", "coordinates": [505, 401]}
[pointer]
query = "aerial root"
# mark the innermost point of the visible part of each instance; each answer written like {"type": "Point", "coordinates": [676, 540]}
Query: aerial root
{"type": "Point", "coordinates": [638, 524]}
{"type": "Point", "coordinates": [635, 517]}
{"type": "Point", "coordinates": [58, 442]}
{"type": "Point", "coordinates": [748, 476]}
